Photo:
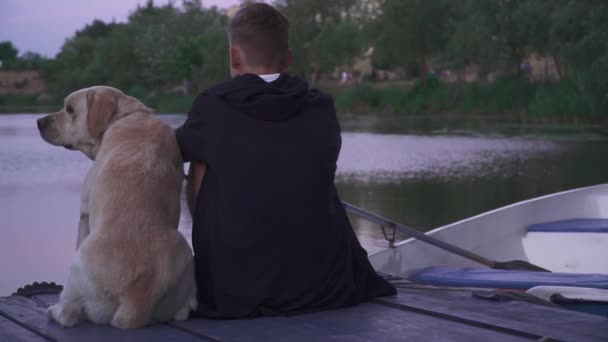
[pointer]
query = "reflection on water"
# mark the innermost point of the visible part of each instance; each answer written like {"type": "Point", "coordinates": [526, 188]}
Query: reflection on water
{"type": "Point", "coordinates": [396, 158]}
{"type": "Point", "coordinates": [422, 181]}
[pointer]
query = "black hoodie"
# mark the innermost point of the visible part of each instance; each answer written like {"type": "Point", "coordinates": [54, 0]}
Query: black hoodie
{"type": "Point", "coordinates": [270, 235]}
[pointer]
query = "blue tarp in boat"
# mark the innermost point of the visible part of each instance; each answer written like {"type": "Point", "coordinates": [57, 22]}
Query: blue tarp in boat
{"type": "Point", "coordinates": [572, 226]}
{"type": "Point", "coordinates": [506, 279]}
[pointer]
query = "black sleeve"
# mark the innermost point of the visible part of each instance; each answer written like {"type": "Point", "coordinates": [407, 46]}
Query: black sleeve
{"type": "Point", "coordinates": [191, 135]}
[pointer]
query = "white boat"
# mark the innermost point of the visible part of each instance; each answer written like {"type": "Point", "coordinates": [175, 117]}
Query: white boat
{"type": "Point", "coordinates": [565, 233]}
{"type": "Point", "coordinates": [562, 232]}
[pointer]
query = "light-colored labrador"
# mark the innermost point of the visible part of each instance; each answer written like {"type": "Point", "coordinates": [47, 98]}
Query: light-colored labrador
{"type": "Point", "coordinates": [132, 266]}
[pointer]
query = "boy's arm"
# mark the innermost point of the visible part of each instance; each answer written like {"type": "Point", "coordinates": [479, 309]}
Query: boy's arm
{"type": "Point", "coordinates": [193, 184]}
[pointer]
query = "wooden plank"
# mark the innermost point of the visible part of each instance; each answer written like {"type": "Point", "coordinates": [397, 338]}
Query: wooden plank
{"type": "Point", "coordinates": [519, 316]}
{"type": "Point", "coordinates": [252, 329]}
{"type": "Point", "coordinates": [33, 316]}
{"type": "Point", "coordinates": [262, 329]}
{"type": "Point", "coordinates": [365, 322]}
{"type": "Point", "coordinates": [47, 299]}
{"type": "Point", "coordinates": [373, 321]}
{"type": "Point", "coordinates": [10, 331]}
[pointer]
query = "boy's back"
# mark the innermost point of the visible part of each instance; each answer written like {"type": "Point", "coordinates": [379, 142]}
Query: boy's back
{"type": "Point", "coordinates": [270, 235]}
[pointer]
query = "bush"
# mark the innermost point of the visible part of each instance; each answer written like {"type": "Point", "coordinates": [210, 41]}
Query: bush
{"type": "Point", "coordinates": [504, 96]}
{"type": "Point", "coordinates": [555, 100]}
{"type": "Point", "coordinates": [173, 103]}
{"type": "Point", "coordinates": [562, 100]}
{"type": "Point", "coordinates": [17, 100]}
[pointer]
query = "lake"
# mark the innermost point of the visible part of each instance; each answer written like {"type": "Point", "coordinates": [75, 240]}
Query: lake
{"type": "Point", "coordinates": [423, 180]}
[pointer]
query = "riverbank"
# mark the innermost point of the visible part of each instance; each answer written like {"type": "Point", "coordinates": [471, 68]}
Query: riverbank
{"type": "Point", "coordinates": [162, 103]}
{"type": "Point", "coordinates": [544, 103]}
{"type": "Point", "coordinates": [517, 102]}
{"type": "Point", "coordinates": [17, 103]}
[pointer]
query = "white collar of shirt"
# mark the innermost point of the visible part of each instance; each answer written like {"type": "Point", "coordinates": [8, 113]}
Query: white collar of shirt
{"type": "Point", "coordinates": [270, 77]}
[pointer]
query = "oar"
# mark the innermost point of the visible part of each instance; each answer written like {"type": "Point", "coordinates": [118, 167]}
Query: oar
{"type": "Point", "coordinates": [503, 265]}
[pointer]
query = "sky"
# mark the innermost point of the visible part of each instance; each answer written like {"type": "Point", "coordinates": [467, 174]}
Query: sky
{"type": "Point", "coordinates": [43, 25]}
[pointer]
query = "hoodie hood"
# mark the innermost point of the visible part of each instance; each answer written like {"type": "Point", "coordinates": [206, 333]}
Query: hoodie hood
{"type": "Point", "coordinates": [274, 101]}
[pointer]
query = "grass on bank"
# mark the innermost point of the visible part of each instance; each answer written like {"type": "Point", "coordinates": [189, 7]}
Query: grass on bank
{"type": "Point", "coordinates": [540, 101]}
{"type": "Point", "coordinates": [550, 100]}
{"type": "Point", "coordinates": [163, 103]}
{"type": "Point", "coordinates": [18, 103]}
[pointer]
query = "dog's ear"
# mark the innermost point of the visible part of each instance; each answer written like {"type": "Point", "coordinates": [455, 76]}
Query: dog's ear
{"type": "Point", "coordinates": [101, 109]}
{"type": "Point", "coordinates": [128, 104]}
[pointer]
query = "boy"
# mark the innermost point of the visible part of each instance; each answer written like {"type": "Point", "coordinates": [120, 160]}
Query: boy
{"type": "Point", "coordinates": [270, 235]}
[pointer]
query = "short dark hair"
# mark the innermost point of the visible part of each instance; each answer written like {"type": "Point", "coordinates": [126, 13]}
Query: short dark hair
{"type": "Point", "coordinates": [262, 33]}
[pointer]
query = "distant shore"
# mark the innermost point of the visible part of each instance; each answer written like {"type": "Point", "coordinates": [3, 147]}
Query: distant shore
{"type": "Point", "coordinates": [510, 102]}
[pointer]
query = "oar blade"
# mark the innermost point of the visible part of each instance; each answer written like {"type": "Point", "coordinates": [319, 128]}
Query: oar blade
{"type": "Point", "coordinates": [519, 265]}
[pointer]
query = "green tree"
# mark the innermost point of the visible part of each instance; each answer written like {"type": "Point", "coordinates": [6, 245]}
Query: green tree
{"type": "Point", "coordinates": [199, 53]}
{"type": "Point", "coordinates": [318, 30]}
{"type": "Point", "coordinates": [158, 49]}
{"type": "Point", "coordinates": [580, 35]}
{"type": "Point", "coordinates": [181, 45]}
{"type": "Point", "coordinates": [410, 31]}
{"type": "Point", "coordinates": [8, 54]}
{"type": "Point", "coordinates": [498, 34]}
{"type": "Point", "coordinates": [116, 60]}
{"type": "Point", "coordinates": [77, 65]}
{"type": "Point", "coordinates": [337, 45]}
{"type": "Point", "coordinates": [30, 61]}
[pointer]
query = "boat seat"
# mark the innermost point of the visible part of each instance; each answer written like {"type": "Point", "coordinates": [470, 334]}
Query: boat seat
{"type": "Point", "coordinates": [505, 279]}
{"type": "Point", "coordinates": [572, 226]}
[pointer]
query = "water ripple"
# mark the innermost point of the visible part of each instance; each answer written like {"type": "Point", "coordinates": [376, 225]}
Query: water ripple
{"type": "Point", "coordinates": [388, 158]}
{"type": "Point", "coordinates": [26, 160]}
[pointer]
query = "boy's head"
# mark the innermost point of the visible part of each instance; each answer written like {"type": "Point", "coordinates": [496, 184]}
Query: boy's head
{"type": "Point", "coordinates": [258, 35]}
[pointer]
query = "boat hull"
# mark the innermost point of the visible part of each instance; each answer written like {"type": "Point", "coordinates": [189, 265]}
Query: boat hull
{"type": "Point", "coordinates": [502, 235]}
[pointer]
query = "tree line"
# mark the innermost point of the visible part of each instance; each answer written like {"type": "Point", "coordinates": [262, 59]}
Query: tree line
{"type": "Point", "coordinates": [173, 48]}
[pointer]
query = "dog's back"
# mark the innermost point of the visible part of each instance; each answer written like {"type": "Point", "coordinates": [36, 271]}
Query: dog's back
{"type": "Point", "coordinates": [134, 251]}
{"type": "Point", "coordinates": [140, 167]}
{"type": "Point", "coordinates": [132, 266]}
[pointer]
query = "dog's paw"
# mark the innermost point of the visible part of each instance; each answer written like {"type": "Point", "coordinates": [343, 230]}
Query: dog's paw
{"type": "Point", "coordinates": [122, 323]}
{"type": "Point", "coordinates": [193, 303]}
{"type": "Point", "coordinates": [64, 315]}
{"type": "Point", "coordinates": [127, 318]}
{"type": "Point", "coordinates": [182, 314]}
{"type": "Point", "coordinates": [50, 312]}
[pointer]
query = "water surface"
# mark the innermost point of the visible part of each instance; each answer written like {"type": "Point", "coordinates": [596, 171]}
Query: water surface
{"type": "Point", "coordinates": [421, 180]}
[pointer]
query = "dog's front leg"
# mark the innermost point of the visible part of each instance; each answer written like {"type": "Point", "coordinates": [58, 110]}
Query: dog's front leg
{"type": "Point", "coordinates": [67, 311]}
{"type": "Point", "coordinates": [83, 224]}
{"type": "Point", "coordinates": [83, 227]}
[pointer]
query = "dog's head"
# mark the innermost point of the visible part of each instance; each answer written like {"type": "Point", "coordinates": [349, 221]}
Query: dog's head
{"type": "Point", "coordinates": [85, 116]}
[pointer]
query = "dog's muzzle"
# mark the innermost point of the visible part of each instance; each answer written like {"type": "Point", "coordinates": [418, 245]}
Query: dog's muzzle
{"type": "Point", "coordinates": [43, 123]}
{"type": "Point", "coordinates": [48, 133]}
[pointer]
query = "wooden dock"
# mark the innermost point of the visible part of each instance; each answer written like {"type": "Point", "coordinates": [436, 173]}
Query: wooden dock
{"type": "Point", "coordinates": [417, 313]}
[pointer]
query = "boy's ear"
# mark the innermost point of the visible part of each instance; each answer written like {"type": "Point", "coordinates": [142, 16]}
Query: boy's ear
{"type": "Point", "coordinates": [289, 58]}
{"type": "Point", "coordinates": [235, 58]}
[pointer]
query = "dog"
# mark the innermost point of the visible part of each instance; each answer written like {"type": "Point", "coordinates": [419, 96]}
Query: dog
{"type": "Point", "coordinates": [132, 266]}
